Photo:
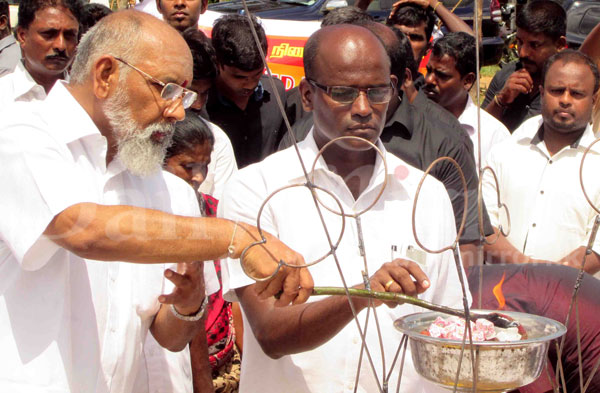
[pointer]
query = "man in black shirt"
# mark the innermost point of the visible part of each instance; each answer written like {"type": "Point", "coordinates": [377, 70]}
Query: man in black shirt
{"type": "Point", "coordinates": [513, 95]}
{"type": "Point", "coordinates": [242, 102]}
{"type": "Point", "coordinates": [421, 134]}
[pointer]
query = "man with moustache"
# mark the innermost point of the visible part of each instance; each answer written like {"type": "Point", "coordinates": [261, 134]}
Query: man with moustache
{"type": "Point", "coordinates": [81, 193]}
{"type": "Point", "coordinates": [538, 172]}
{"type": "Point", "coordinates": [47, 32]}
{"type": "Point", "coordinates": [513, 95]}
{"type": "Point", "coordinates": [451, 73]}
{"type": "Point", "coordinates": [316, 347]}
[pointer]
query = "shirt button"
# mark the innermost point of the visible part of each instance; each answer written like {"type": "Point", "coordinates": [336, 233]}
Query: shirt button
{"type": "Point", "coordinates": [527, 107]}
{"type": "Point", "coordinates": [542, 192]}
{"type": "Point", "coordinates": [550, 162]}
{"type": "Point", "coordinates": [533, 225]}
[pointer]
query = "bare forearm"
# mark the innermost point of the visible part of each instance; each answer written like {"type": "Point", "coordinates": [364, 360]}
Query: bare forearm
{"type": "Point", "coordinates": [452, 22]}
{"type": "Point", "coordinates": [502, 251]}
{"type": "Point", "coordinates": [287, 330]}
{"type": "Point", "coordinates": [494, 109]}
{"type": "Point", "coordinates": [132, 234]}
{"type": "Point", "coordinates": [201, 370]}
{"type": "Point", "coordinates": [591, 45]}
{"type": "Point", "coordinates": [172, 332]}
{"type": "Point", "coordinates": [575, 259]}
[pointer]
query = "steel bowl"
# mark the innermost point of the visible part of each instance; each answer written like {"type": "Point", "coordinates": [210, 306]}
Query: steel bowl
{"type": "Point", "coordinates": [500, 366]}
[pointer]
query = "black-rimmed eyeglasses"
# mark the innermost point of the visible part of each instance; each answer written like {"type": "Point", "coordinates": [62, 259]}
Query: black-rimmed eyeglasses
{"type": "Point", "coordinates": [170, 91]}
{"type": "Point", "coordinates": [347, 94]}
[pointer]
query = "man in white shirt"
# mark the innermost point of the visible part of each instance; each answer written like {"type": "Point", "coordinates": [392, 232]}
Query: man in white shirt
{"type": "Point", "coordinates": [451, 73]}
{"type": "Point", "coordinates": [10, 52]}
{"type": "Point", "coordinates": [538, 172]}
{"type": "Point", "coordinates": [316, 347]}
{"type": "Point", "coordinates": [48, 36]}
{"type": "Point", "coordinates": [82, 185]}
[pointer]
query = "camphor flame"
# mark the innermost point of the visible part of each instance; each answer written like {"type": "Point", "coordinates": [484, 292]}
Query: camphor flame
{"type": "Point", "coordinates": [497, 291]}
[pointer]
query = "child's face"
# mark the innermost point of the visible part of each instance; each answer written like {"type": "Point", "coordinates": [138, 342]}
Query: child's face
{"type": "Point", "coordinates": [192, 164]}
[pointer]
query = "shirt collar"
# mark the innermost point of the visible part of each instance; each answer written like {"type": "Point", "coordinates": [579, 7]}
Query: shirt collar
{"type": "Point", "coordinates": [60, 98]}
{"type": "Point", "coordinates": [7, 41]}
{"type": "Point", "coordinates": [531, 132]}
{"type": "Point", "coordinates": [402, 115]}
{"type": "Point", "coordinates": [24, 82]}
{"type": "Point", "coordinates": [309, 150]}
{"type": "Point", "coordinates": [468, 118]}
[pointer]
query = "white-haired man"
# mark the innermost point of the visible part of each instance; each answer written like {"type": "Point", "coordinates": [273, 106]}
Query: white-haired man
{"type": "Point", "coordinates": [81, 187]}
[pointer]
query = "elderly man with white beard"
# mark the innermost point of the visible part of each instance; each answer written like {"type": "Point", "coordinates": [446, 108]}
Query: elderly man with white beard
{"type": "Point", "coordinates": [81, 190]}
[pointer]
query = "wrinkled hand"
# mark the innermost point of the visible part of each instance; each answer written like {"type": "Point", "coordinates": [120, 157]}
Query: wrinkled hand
{"type": "Point", "coordinates": [400, 276]}
{"type": "Point", "coordinates": [261, 261]}
{"type": "Point", "coordinates": [189, 292]}
{"type": "Point", "coordinates": [519, 82]}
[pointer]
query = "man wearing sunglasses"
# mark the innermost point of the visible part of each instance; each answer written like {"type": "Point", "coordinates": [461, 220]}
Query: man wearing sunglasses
{"type": "Point", "coordinates": [91, 225]}
{"type": "Point", "coordinates": [316, 347]}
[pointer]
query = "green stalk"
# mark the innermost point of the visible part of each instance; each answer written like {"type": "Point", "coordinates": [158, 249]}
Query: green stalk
{"type": "Point", "coordinates": [386, 297]}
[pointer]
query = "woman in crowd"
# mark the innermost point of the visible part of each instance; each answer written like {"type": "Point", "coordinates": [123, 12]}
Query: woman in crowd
{"type": "Point", "coordinates": [188, 158]}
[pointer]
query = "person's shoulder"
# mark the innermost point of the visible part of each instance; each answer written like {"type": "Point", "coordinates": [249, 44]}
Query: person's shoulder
{"type": "Point", "coordinates": [266, 84]}
{"type": "Point", "coordinates": [410, 176]}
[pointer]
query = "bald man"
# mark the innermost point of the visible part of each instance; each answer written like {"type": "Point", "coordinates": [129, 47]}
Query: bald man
{"type": "Point", "coordinates": [316, 347]}
{"type": "Point", "coordinates": [90, 221]}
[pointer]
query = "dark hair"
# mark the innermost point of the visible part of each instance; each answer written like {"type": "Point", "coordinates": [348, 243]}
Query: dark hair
{"type": "Point", "coordinates": [543, 17]}
{"type": "Point", "coordinates": [28, 8]}
{"type": "Point", "coordinates": [234, 43]}
{"type": "Point", "coordinates": [406, 53]}
{"type": "Point", "coordinates": [461, 47]}
{"type": "Point", "coordinates": [4, 10]}
{"type": "Point", "coordinates": [349, 15]}
{"type": "Point", "coordinates": [189, 133]}
{"type": "Point", "coordinates": [92, 13]}
{"type": "Point", "coordinates": [412, 15]}
{"type": "Point", "coordinates": [203, 54]}
{"type": "Point", "coordinates": [572, 56]}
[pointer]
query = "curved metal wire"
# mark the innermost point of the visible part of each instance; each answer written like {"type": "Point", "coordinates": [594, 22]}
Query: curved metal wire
{"type": "Point", "coordinates": [263, 240]}
{"type": "Point", "coordinates": [500, 206]}
{"type": "Point", "coordinates": [587, 198]}
{"type": "Point", "coordinates": [466, 201]}
{"type": "Point", "coordinates": [383, 186]}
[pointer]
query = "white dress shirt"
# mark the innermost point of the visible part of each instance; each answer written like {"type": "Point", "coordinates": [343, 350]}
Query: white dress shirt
{"type": "Point", "coordinates": [292, 217]}
{"type": "Point", "coordinates": [549, 214]}
{"type": "Point", "coordinates": [68, 324]}
{"type": "Point", "coordinates": [222, 163]}
{"type": "Point", "coordinates": [492, 130]}
{"type": "Point", "coordinates": [19, 85]}
{"type": "Point", "coordinates": [10, 54]}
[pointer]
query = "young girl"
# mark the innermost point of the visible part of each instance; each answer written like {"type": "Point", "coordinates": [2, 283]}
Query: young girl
{"type": "Point", "coordinates": [188, 157]}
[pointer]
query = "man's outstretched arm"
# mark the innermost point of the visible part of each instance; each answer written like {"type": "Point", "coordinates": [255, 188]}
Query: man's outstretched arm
{"type": "Point", "coordinates": [132, 234]}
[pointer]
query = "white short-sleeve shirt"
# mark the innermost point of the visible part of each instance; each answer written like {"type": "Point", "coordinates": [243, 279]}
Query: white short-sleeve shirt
{"type": "Point", "coordinates": [549, 214]}
{"type": "Point", "coordinates": [222, 163]}
{"type": "Point", "coordinates": [492, 130]}
{"type": "Point", "coordinates": [19, 85]}
{"type": "Point", "coordinates": [292, 217]}
{"type": "Point", "coordinates": [69, 324]}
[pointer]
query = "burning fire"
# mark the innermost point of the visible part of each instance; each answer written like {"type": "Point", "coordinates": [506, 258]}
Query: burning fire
{"type": "Point", "coordinates": [497, 291]}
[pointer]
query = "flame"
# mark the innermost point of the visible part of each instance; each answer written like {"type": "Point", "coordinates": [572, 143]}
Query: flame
{"type": "Point", "coordinates": [498, 293]}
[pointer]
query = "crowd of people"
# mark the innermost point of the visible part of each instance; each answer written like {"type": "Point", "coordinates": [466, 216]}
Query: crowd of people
{"type": "Point", "coordinates": [153, 203]}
